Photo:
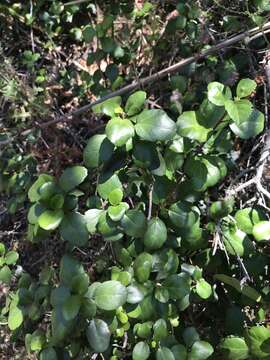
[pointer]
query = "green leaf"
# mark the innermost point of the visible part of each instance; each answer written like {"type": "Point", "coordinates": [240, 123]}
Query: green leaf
{"type": "Point", "coordinates": [60, 326]}
{"type": "Point", "coordinates": [183, 215]}
{"type": "Point", "coordinates": [15, 318]}
{"type": "Point", "coordinates": [92, 217]}
{"type": "Point", "coordinates": [235, 348]}
{"type": "Point", "coordinates": [11, 257]}
{"type": "Point", "coordinates": [71, 307]}
{"type": "Point", "coordinates": [156, 234]}
{"type": "Point", "coordinates": [164, 353]}
{"type": "Point", "coordinates": [119, 131]}
{"type": "Point", "coordinates": [72, 177]}
{"type": "Point", "coordinates": [189, 127]}
{"type": "Point", "coordinates": [98, 150]}
{"type": "Point", "coordinates": [245, 289]}
{"type": "Point", "coordinates": [37, 341]}
{"type": "Point", "coordinates": [245, 87]}
{"type": "Point", "coordinates": [48, 354]}
{"type": "Point", "coordinates": [107, 185]}
{"type": "Point", "coordinates": [110, 295]}
{"type": "Point", "coordinates": [115, 196]}
{"type": "Point", "coordinates": [108, 107]}
{"type": "Point", "coordinates": [88, 33]}
{"type": "Point", "coordinates": [237, 242]}
{"type": "Point", "coordinates": [177, 285]}
{"type": "Point", "coordinates": [33, 193]}
{"type": "Point", "coordinates": [261, 231]}
{"type": "Point", "coordinates": [117, 212]}
{"type": "Point", "coordinates": [248, 217]}
{"type": "Point", "coordinates": [47, 190]}
{"type": "Point", "coordinates": [203, 289]}
{"type": "Point", "coordinates": [221, 208]}
{"type": "Point", "coordinates": [134, 223]}
{"type": "Point", "coordinates": [238, 110]}
{"type": "Point", "coordinates": [135, 293]}
{"type": "Point", "coordinates": [160, 330]}
{"type": "Point", "coordinates": [190, 336]}
{"type": "Point", "coordinates": [50, 219]}
{"type": "Point", "coordinates": [142, 267]}
{"type": "Point", "coordinates": [145, 155]}
{"type": "Point", "coordinates": [200, 350]}
{"type": "Point", "coordinates": [69, 268]}
{"type": "Point", "coordinates": [5, 275]}
{"type": "Point", "coordinates": [80, 283]}
{"type": "Point", "coordinates": [108, 228]}
{"type": "Point", "coordinates": [155, 125]}
{"type": "Point", "coordinates": [251, 126]}
{"type": "Point", "coordinates": [216, 93]}
{"type": "Point", "coordinates": [141, 351]}
{"type": "Point", "coordinates": [59, 295]}
{"type": "Point", "coordinates": [135, 103]}
{"type": "Point", "coordinates": [73, 229]}
{"type": "Point", "coordinates": [256, 337]}
{"type": "Point", "coordinates": [98, 335]}
{"type": "Point", "coordinates": [179, 352]}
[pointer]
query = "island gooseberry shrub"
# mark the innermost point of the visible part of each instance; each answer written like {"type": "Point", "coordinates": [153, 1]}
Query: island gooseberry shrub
{"type": "Point", "coordinates": [190, 279]}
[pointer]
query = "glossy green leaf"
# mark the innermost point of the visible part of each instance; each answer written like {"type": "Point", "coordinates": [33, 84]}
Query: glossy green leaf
{"type": "Point", "coordinates": [98, 335]}
{"type": "Point", "coordinates": [11, 257]}
{"type": "Point", "coordinates": [216, 93]}
{"type": "Point", "coordinates": [189, 127]}
{"type": "Point", "coordinates": [47, 190]}
{"type": "Point", "coordinates": [245, 87]}
{"type": "Point", "coordinates": [50, 219]}
{"type": "Point", "coordinates": [72, 177]}
{"type": "Point", "coordinates": [248, 217]}
{"type": "Point", "coordinates": [73, 229]}
{"type": "Point", "coordinates": [92, 217]}
{"type": "Point", "coordinates": [238, 110]}
{"type": "Point", "coordinates": [183, 215]}
{"type": "Point", "coordinates": [33, 193]}
{"type": "Point", "coordinates": [98, 150]}
{"type": "Point", "coordinates": [177, 285]}
{"type": "Point", "coordinates": [156, 234]}
{"type": "Point", "coordinates": [155, 125]}
{"type": "Point", "coordinates": [251, 126]}
{"type": "Point", "coordinates": [135, 103]}
{"type": "Point", "coordinates": [134, 223]}
{"type": "Point", "coordinates": [261, 231]}
{"type": "Point", "coordinates": [235, 348]}
{"type": "Point", "coordinates": [110, 295]}
{"type": "Point", "coordinates": [164, 353]}
{"type": "Point", "coordinates": [115, 196]}
{"type": "Point", "coordinates": [135, 293]}
{"type": "Point", "coordinates": [237, 242]}
{"type": "Point", "coordinates": [142, 267]}
{"type": "Point", "coordinates": [160, 329]}
{"type": "Point", "coordinates": [119, 131]}
{"type": "Point", "coordinates": [200, 350]}
{"type": "Point", "coordinates": [5, 274]}
{"type": "Point", "coordinates": [107, 185]}
{"type": "Point", "coordinates": [145, 155]}
{"type": "Point", "coordinates": [203, 289]}
{"type": "Point", "coordinates": [256, 337]}
{"type": "Point", "coordinates": [117, 212]}
{"type": "Point", "coordinates": [141, 351]}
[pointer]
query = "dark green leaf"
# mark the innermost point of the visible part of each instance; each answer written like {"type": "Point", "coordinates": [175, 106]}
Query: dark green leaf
{"type": "Point", "coordinates": [110, 295]}
{"type": "Point", "coordinates": [134, 223]}
{"type": "Point", "coordinates": [73, 229]}
{"type": "Point", "coordinates": [141, 351]}
{"type": "Point", "coordinates": [72, 177]}
{"type": "Point", "coordinates": [98, 150]}
{"type": "Point", "coordinates": [156, 234]}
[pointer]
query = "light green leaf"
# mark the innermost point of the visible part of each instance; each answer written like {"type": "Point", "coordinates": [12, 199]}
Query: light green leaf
{"type": "Point", "coordinates": [11, 257]}
{"type": "Point", "coordinates": [245, 87]}
{"type": "Point", "coordinates": [156, 234]}
{"type": "Point", "coordinates": [256, 337]}
{"type": "Point", "coordinates": [5, 274]}
{"type": "Point", "coordinates": [251, 126]}
{"type": "Point", "coordinates": [15, 318]}
{"type": "Point", "coordinates": [108, 107]}
{"type": "Point", "coordinates": [110, 295]}
{"type": "Point", "coordinates": [135, 103]}
{"type": "Point", "coordinates": [98, 335]}
{"type": "Point", "coordinates": [141, 351]}
{"type": "Point", "coordinates": [237, 242]}
{"type": "Point", "coordinates": [189, 127]}
{"type": "Point", "coordinates": [107, 185]}
{"type": "Point", "coordinates": [92, 217]}
{"type": "Point", "coordinates": [33, 193]}
{"type": "Point", "coordinates": [235, 348]}
{"type": "Point", "coordinates": [183, 215]}
{"type": "Point", "coordinates": [134, 223]}
{"type": "Point", "coordinates": [117, 212]}
{"type": "Point", "coordinates": [50, 219]}
{"type": "Point", "coordinates": [203, 289]}
{"type": "Point", "coordinates": [72, 177]}
{"type": "Point", "coordinates": [248, 217]}
{"type": "Point", "coordinates": [261, 230]}
{"type": "Point", "coordinates": [155, 125]}
{"type": "Point", "coordinates": [160, 330]}
{"type": "Point", "coordinates": [216, 93]}
{"type": "Point", "coordinates": [73, 229]}
{"type": "Point", "coordinates": [238, 110]}
{"type": "Point", "coordinates": [135, 293]}
{"type": "Point", "coordinates": [98, 150]}
{"type": "Point", "coordinates": [115, 196]}
{"type": "Point", "coordinates": [37, 340]}
{"type": "Point", "coordinates": [142, 267]}
{"type": "Point", "coordinates": [119, 131]}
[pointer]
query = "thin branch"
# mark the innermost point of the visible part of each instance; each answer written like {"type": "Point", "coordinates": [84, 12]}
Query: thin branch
{"type": "Point", "coordinates": [162, 73]}
{"type": "Point", "coordinates": [150, 202]}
